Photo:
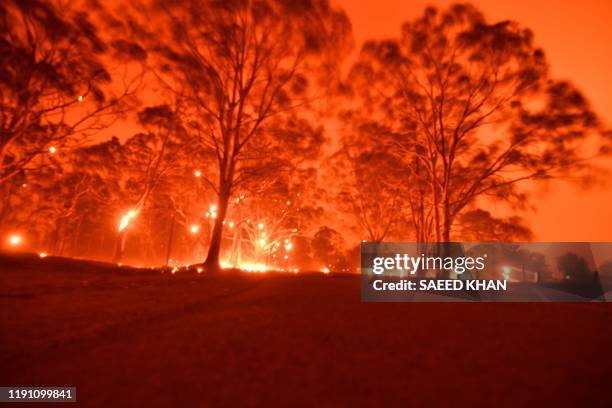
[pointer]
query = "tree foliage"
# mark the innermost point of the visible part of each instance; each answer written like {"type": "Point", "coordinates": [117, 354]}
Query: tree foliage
{"type": "Point", "coordinates": [469, 107]}
{"type": "Point", "coordinates": [55, 87]}
{"type": "Point", "coordinates": [237, 152]}
{"type": "Point", "coordinates": [242, 67]}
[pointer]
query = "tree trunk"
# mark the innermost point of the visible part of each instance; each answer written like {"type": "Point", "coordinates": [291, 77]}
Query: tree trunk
{"type": "Point", "coordinates": [436, 204]}
{"type": "Point", "coordinates": [214, 250]}
{"type": "Point", "coordinates": [54, 239]}
{"type": "Point", "coordinates": [234, 254]}
{"type": "Point", "coordinates": [120, 246]}
{"type": "Point", "coordinates": [447, 228]}
{"type": "Point", "coordinates": [445, 247]}
{"type": "Point", "coordinates": [170, 237]}
{"type": "Point", "coordinates": [77, 238]}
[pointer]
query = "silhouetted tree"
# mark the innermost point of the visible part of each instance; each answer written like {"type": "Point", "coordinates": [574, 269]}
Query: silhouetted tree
{"type": "Point", "coordinates": [55, 89]}
{"type": "Point", "coordinates": [372, 191]}
{"type": "Point", "coordinates": [64, 205]}
{"type": "Point", "coordinates": [244, 66]}
{"type": "Point", "coordinates": [575, 268]}
{"type": "Point", "coordinates": [470, 106]}
{"type": "Point", "coordinates": [150, 157]}
{"type": "Point", "coordinates": [480, 226]}
{"type": "Point", "coordinates": [604, 273]}
{"type": "Point", "coordinates": [268, 221]}
{"type": "Point", "coordinates": [328, 247]}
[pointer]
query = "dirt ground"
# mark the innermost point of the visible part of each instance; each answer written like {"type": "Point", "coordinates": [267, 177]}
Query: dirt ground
{"type": "Point", "coordinates": [140, 338]}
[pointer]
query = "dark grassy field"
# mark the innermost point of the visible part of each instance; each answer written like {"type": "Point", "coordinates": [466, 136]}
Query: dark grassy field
{"type": "Point", "coordinates": [128, 337]}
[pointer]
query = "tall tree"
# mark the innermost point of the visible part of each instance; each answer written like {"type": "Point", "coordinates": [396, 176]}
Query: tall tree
{"type": "Point", "coordinates": [55, 88]}
{"type": "Point", "coordinates": [470, 107]}
{"type": "Point", "coordinates": [372, 191]}
{"type": "Point", "coordinates": [244, 66]}
{"type": "Point", "coordinates": [150, 158]}
{"type": "Point", "coordinates": [480, 226]}
{"type": "Point", "coordinates": [67, 198]}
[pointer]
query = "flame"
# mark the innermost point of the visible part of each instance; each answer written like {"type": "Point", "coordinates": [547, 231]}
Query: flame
{"type": "Point", "coordinates": [52, 150]}
{"type": "Point", "coordinates": [195, 228]}
{"type": "Point", "coordinates": [125, 220]}
{"type": "Point", "coordinates": [15, 240]}
{"type": "Point", "coordinates": [246, 266]}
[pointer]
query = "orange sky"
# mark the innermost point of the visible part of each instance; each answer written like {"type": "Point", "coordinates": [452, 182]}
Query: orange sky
{"type": "Point", "coordinates": [576, 36]}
